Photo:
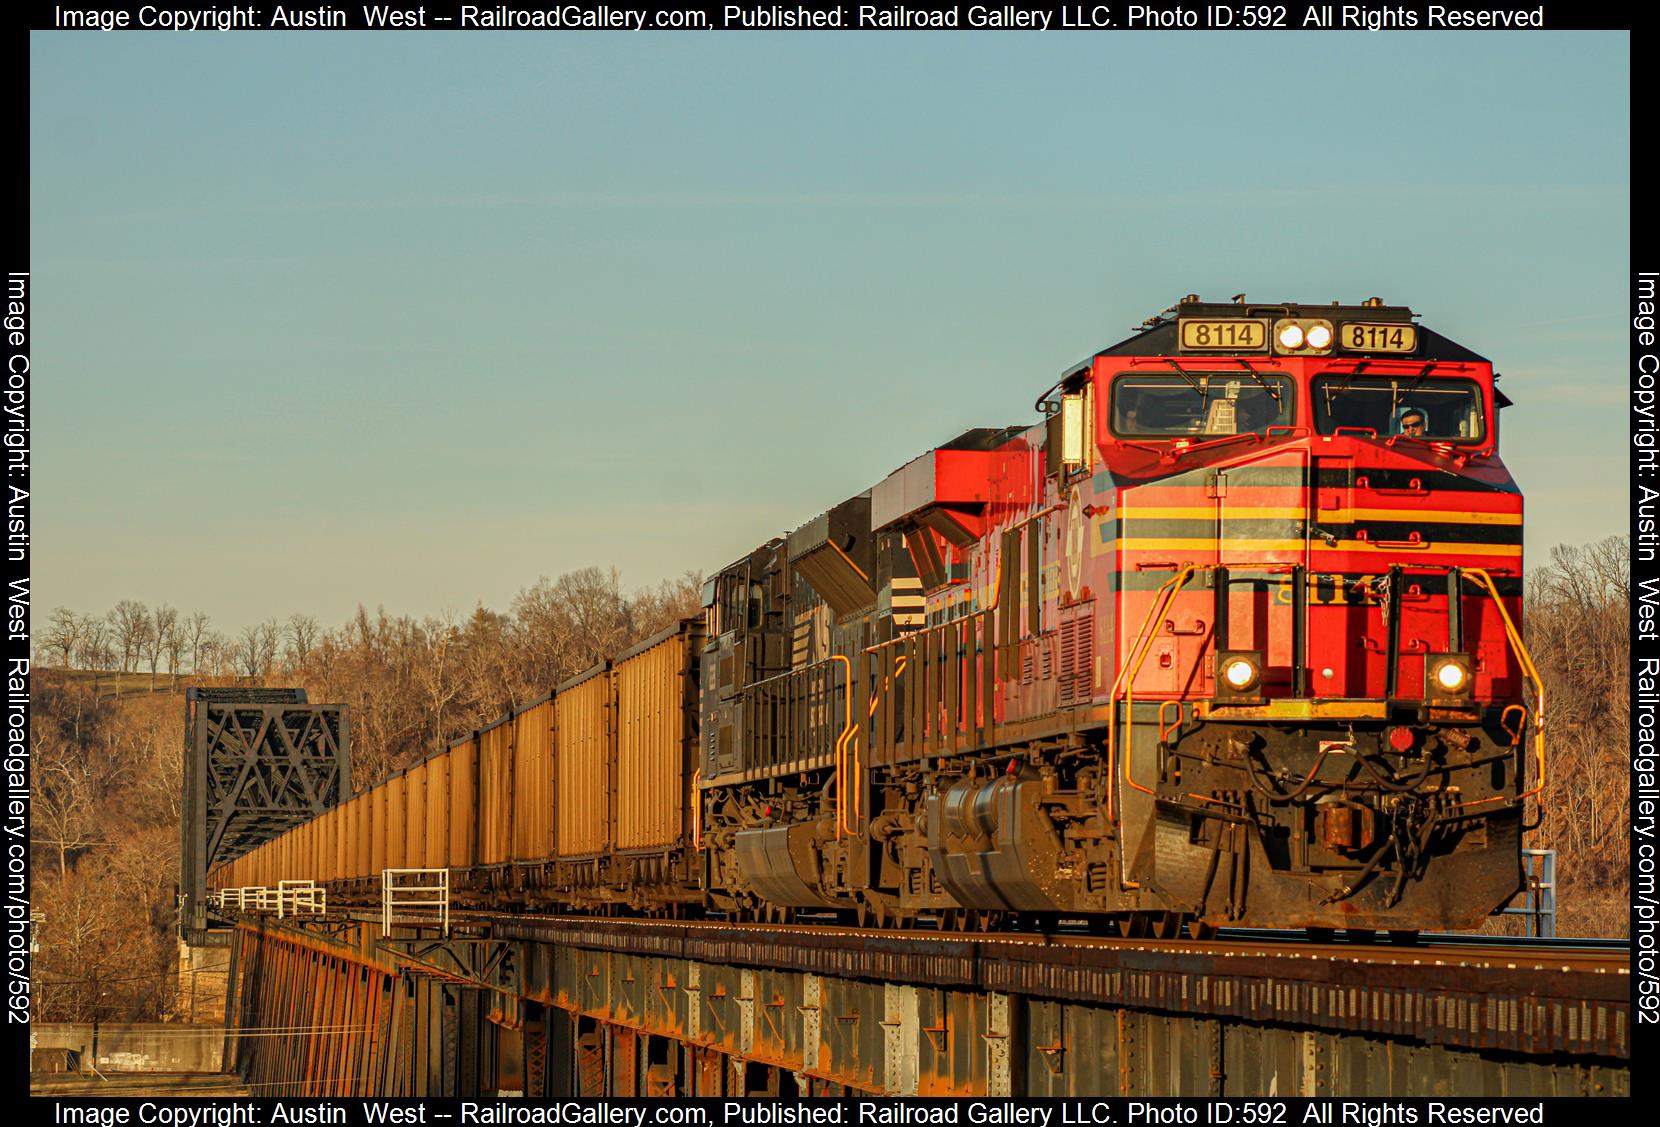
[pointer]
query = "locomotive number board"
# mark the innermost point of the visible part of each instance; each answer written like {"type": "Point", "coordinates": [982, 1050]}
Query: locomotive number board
{"type": "Point", "coordinates": [1357, 336]}
{"type": "Point", "coordinates": [1223, 334]}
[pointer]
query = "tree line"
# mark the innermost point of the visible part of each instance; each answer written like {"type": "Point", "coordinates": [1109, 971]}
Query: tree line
{"type": "Point", "coordinates": [412, 683]}
{"type": "Point", "coordinates": [1577, 623]}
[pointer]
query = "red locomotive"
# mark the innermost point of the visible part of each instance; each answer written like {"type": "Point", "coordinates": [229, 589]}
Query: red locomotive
{"type": "Point", "coordinates": [1229, 637]}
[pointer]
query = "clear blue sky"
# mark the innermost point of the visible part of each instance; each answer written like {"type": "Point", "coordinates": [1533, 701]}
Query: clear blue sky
{"type": "Point", "coordinates": [413, 319]}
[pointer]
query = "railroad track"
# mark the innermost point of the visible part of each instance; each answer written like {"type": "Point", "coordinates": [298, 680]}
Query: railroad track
{"type": "Point", "coordinates": [1447, 939]}
{"type": "Point", "coordinates": [1498, 952]}
{"type": "Point", "coordinates": [1293, 942]}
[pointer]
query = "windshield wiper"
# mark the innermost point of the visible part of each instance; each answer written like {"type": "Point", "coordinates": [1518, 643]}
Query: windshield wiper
{"type": "Point", "coordinates": [1418, 379]}
{"type": "Point", "coordinates": [1262, 383]}
{"type": "Point", "coordinates": [1396, 394]}
{"type": "Point", "coordinates": [1203, 391]}
{"type": "Point", "coordinates": [1333, 393]}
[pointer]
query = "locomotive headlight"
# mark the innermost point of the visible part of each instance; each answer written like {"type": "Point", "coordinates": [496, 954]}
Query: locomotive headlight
{"type": "Point", "coordinates": [1238, 677]}
{"type": "Point", "coordinates": [1449, 676]}
{"type": "Point", "coordinates": [1240, 674]}
{"type": "Point", "coordinates": [1309, 335]}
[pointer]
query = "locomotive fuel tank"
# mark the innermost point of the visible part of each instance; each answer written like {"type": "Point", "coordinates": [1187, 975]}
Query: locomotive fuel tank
{"type": "Point", "coordinates": [993, 847]}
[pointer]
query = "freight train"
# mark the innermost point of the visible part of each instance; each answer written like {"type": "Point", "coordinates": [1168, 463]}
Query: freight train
{"type": "Point", "coordinates": [1229, 636]}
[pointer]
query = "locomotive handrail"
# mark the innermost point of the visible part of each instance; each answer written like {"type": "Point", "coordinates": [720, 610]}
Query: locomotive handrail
{"type": "Point", "coordinates": [783, 686]}
{"type": "Point", "coordinates": [1166, 729]}
{"type": "Point", "coordinates": [1161, 602]}
{"type": "Point", "coordinates": [1519, 649]}
{"type": "Point", "coordinates": [858, 768]}
{"type": "Point", "coordinates": [841, 745]}
{"type": "Point", "coordinates": [697, 809]}
{"type": "Point", "coordinates": [1126, 681]}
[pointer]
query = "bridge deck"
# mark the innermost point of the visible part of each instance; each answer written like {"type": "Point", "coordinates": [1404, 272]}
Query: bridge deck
{"type": "Point", "coordinates": [584, 1006]}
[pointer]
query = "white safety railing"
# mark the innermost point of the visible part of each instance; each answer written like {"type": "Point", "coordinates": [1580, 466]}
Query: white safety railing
{"type": "Point", "coordinates": [421, 889]}
{"type": "Point", "coordinates": [296, 896]}
{"type": "Point", "coordinates": [289, 898]}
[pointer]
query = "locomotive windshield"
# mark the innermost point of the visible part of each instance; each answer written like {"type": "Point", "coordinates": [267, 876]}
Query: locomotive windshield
{"type": "Point", "coordinates": [1439, 410]}
{"type": "Point", "coordinates": [1208, 404]}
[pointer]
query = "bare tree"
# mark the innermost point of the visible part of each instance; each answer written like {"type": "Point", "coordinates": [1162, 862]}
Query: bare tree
{"type": "Point", "coordinates": [247, 652]}
{"type": "Point", "coordinates": [218, 654]}
{"type": "Point", "coordinates": [130, 621]}
{"type": "Point", "coordinates": [256, 649]}
{"type": "Point", "coordinates": [95, 649]}
{"type": "Point", "coordinates": [300, 634]}
{"type": "Point", "coordinates": [196, 633]}
{"type": "Point", "coordinates": [62, 788]}
{"type": "Point", "coordinates": [152, 751]}
{"type": "Point", "coordinates": [1578, 620]}
{"type": "Point", "coordinates": [594, 600]}
{"type": "Point", "coordinates": [544, 630]}
{"type": "Point", "coordinates": [64, 634]}
{"type": "Point", "coordinates": [671, 601]}
{"type": "Point", "coordinates": [103, 958]}
{"type": "Point", "coordinates": [440, 673]}
{"type": "Point", "coordinates": [154, 643]}
{"type": "Point", "coordinates": [173, 641]}
{"type": "Point", "coordinates": [269, 634]}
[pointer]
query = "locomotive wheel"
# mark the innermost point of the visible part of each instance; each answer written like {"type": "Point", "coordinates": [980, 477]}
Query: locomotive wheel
{"type": "Point", "coordinates": [1167, 925]}
{"type": "Point", "coordinates": [1199, 929]}
{"type": "Point", "coordinates": [1139, 925]}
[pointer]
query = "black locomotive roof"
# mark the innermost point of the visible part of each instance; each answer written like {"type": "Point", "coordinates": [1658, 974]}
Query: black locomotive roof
{"type": "Point", "coordinates": [1158, 334]}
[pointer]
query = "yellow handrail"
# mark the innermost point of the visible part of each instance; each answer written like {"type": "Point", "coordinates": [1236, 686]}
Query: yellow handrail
{"type": "Point", "coordinates": [841, 746]}
{"type": "Point", "coordinates": [1514, 637]}
{"type": "Point", "coordinates": [1127, 674]}
{"type": "Point", "coordinates": [697, 810]}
